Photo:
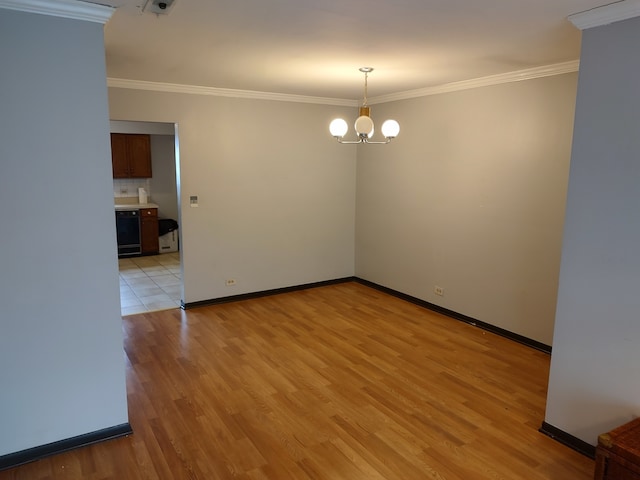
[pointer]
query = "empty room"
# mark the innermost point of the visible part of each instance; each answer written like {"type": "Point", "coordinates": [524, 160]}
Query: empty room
{"type": "Point", "coordinates": [347, 240]}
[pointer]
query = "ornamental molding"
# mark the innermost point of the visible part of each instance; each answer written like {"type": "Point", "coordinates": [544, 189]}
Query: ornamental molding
{"type": "Point", "coordinates": [74, 9]}
{"type": "Point", "coordinates": [517, 76]}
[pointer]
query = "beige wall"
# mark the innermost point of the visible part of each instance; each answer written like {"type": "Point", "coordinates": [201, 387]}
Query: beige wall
{"type": "Point", "coordinates": [471, 197]}
{"type": "Point", "coordinates": [276, 193]}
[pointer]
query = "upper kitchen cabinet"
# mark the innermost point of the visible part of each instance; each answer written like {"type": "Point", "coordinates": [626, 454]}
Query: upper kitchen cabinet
{"type": "Point", "coordinates": [131, 155]}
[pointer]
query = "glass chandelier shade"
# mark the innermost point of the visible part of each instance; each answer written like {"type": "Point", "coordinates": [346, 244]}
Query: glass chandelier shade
{"type": "Point", "coordinates": [363, 125]}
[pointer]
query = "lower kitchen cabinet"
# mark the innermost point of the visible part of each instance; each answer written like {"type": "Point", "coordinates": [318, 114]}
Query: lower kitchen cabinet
{"type": "Point", "coordinates": [149, 240]}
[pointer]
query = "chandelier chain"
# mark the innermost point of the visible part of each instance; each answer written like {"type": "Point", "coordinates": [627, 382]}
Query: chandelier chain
{"type": "Point", "coordinates": [366, 76]}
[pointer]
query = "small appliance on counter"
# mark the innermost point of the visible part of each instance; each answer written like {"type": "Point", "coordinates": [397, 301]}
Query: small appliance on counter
{"type": "Point", "coordinates": [142, 196]}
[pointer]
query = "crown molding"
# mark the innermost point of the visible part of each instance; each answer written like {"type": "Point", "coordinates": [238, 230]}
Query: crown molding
{"type": "Point", "coordinates": [516, 76]}
{"type": "Point", "coordinates": [606, 14]}
{"type": "Point", "coordinates": [519, 75]}
{"type": "Point", "coordinates": [74, 9]}
{"type": "Point", "coordinates": [224, 92]}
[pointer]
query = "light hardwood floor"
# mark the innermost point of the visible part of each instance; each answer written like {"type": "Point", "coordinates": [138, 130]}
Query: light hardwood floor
{"type": "Point", "coordinates": [337, 382]}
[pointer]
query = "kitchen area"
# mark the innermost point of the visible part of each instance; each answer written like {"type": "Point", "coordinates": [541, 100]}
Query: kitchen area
{"type": "Point", "coordinates": [146, 215]}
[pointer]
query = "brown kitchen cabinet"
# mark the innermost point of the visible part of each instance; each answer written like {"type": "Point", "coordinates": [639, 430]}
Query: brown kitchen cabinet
{"type": "Point", "coordinates": [131, 155]}
{"type": "Point", "coordinates": [149, 239]}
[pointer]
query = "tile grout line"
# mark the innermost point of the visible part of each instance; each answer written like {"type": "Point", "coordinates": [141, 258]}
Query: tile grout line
{"type": "Point", "coordinates": [136, 267]}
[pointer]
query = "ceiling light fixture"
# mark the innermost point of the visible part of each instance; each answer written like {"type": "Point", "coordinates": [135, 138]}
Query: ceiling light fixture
{"type": "Point", "coordinates": [364, 124]}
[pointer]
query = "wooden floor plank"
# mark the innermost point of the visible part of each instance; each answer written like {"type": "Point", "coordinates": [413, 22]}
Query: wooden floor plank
{"type": "Point", "coordinates": [336, 382]}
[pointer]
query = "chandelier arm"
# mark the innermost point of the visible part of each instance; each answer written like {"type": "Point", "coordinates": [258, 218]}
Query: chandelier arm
{"type": "Point", "coordinates": [362, 140]}
{"type": "Point", "coordinates": [349, 142]}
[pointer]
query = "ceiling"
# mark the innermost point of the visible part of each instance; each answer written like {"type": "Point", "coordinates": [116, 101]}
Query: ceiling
{"type": "Point", "coordinates": [314, 48]}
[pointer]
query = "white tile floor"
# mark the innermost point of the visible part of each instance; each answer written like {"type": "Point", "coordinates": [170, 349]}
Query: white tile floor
{"type": "Point", "coordinates": [150, 283]}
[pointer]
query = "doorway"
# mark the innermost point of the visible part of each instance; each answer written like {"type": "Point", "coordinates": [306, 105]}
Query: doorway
{"type": "Point", "coordinates": [153, 282]}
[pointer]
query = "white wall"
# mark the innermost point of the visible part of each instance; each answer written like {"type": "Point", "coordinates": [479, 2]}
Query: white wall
{"type": "Point", "coordinates": [470, 197]}
{"type": "Point", "coordinates": [62, 370]}
{"type": "Point", "coordinates": [276, 196]}
{"type": "Point", "coordinates": [594, 382]}
{"type": "Point", "coordinates": [163, 186]}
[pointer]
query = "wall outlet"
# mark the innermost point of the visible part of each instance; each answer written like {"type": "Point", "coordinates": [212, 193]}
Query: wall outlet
{"type": "Point", "coordinates": [230, 282]}
{"type": "Point", "coordinates": [438, 290]}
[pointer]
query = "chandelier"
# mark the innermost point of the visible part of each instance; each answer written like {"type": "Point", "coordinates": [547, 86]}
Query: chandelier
{"type": "Point", "coordinates": [364, 124]}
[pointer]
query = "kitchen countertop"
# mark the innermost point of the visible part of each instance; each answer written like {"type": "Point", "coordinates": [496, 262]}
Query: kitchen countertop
{"type": "Point", "coordinates": [134, 206]}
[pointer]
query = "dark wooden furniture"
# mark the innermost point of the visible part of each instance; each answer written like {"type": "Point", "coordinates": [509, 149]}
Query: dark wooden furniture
{"type": "Point", "coordinates": [149, 239]}
{"type": "Point", "coordinates": [618, 453]}
{"type": "Point", "coordinates": [131, 155]}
